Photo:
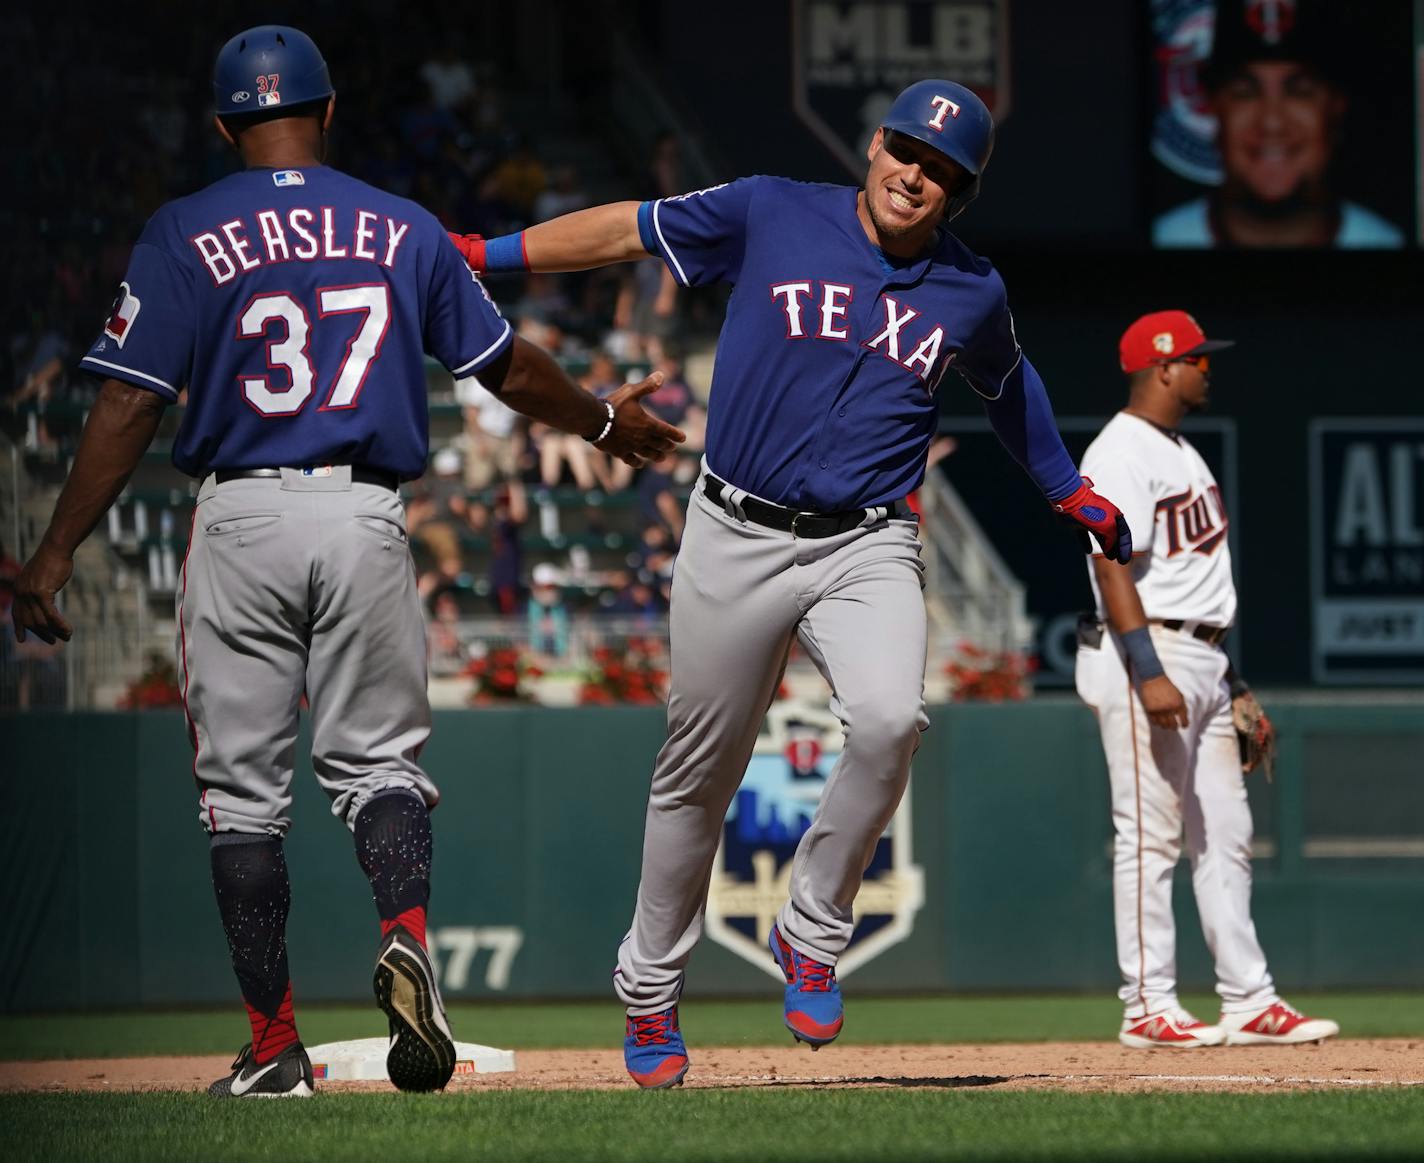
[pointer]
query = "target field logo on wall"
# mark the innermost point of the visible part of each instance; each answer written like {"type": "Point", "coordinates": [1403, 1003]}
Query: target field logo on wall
{"type": "Point", "coordinates": [772, 810]}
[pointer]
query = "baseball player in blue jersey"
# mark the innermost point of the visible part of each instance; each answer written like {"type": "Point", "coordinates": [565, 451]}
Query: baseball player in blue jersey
{"type": "Point", "coordinates": [295, 304]}
{"type": "Point", "coordinates": [848, 307]}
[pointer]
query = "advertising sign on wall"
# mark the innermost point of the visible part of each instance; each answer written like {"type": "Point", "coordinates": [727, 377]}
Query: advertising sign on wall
{"type": "Point", "coordinates": [1367, 550]}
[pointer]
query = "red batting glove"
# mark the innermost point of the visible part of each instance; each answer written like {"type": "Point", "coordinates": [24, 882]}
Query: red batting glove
{"type": "Point", "coordinates": [1101, 518]}
{"type": "Point", "coordinates": [472, 247]}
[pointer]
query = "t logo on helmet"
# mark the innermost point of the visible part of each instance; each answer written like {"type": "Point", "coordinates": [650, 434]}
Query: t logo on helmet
{"type": "Point", "coordinates": [944, 107]}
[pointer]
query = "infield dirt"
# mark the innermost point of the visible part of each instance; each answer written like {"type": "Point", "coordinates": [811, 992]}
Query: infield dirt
{"type": "Point", "coordinates": [1071, 1066]}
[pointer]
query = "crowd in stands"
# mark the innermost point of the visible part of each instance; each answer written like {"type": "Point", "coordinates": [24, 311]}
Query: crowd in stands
{"type": "Point", "coordinates": [126, 125]}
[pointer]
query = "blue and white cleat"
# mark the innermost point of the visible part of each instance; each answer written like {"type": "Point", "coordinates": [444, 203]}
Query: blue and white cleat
{"type": "Point", "coordinates": [814, 1010]}
{"type": "Point", "coordinates": [653, 1050]}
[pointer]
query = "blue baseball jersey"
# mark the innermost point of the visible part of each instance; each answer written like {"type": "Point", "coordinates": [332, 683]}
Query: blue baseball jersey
{"type": "Point", "coordinates": [823, 397]}
{"type": "Point", "coordinates": [296, 306]}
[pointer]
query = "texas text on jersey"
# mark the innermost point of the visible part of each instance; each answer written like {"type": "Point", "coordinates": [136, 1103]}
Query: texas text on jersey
{"type": "Point", "coordinates": [830, 400]}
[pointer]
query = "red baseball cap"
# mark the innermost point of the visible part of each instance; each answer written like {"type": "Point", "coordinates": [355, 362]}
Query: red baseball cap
{"type": "Point", "coordinates": [1164, 336]}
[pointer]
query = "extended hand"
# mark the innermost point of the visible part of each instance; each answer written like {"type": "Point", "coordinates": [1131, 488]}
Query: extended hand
{"type": "Point", "coordinates": [638, 436]}
{"type": "Point", "coordinates": [42, 578]}
{"type": "Point", "coordinates": [1163, 703]}
{"type": "Point", "coordinates": [1101, 518]}
{"type": "Point", "coordinates": [471, 247]}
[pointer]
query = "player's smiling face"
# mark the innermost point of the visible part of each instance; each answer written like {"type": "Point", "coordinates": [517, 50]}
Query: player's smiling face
{"type": "Point", "coordinates": [907, 190]}
{"type": "Point", "coordinates": [1277, 127]}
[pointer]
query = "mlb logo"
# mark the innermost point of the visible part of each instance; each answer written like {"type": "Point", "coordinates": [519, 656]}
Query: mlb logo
{"type": "Point", "coordinates": [289, 178]}
{"type": "Point", "coordinates": [270, 98]}
{"type": "Point", "coordinates": [319, 470]}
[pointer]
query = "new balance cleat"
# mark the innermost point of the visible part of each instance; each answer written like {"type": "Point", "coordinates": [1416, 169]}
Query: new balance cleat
{"type": "Point", "coordinates": [814, 1010]}
{"type": "Point", "coordinates": [1172, 1029]}
{"type": "Point", "coordinates": [422, 1053]}
{"type": "Point", "coordinates": [288, 1075]}
{"type": "Point", "coordinates": [1276, 1025]}
{"type": "Point", "coordinates": [653, 1050]}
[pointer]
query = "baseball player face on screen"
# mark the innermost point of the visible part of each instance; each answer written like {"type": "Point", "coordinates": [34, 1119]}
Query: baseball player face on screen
{"type": "Point", "coordinates": [296, 304]}
{"type": "Point", "coordinates": [1180, 729]}
{"type": "Point", "coordinates": [848, 308]}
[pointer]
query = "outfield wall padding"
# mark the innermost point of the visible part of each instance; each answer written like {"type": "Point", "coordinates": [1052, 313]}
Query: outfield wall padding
{"type": "Point", "coordinates": [538, 837]}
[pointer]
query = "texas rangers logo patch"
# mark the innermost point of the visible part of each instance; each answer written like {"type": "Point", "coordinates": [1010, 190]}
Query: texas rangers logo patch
{"type": "Point", "coordinates": [122, 315]}
{"type": "Point", "coordinates": [751, 874]}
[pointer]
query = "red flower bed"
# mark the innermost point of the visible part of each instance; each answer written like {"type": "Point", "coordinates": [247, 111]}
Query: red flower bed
{"type": "Point", "coordinates": [631, 671]}
{"type": "Point", "coordinates": [993, 676]}
{"type": "Point", "coordinates": [157, 687]}
{"type": "Point", "coordinates": [500, 676]}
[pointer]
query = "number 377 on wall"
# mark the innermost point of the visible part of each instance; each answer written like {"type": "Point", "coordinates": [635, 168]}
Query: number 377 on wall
{"type": "Point", "coordinates": [454, 949]}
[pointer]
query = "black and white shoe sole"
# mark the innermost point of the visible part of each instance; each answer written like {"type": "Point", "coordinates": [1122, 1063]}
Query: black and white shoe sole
{"type": "Point", "coordinates": [422, 1053]}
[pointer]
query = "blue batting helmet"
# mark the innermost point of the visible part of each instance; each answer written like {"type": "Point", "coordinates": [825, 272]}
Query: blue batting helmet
{"type": "Point", "coordinates": [952, 120]}
{"type": "Point", "coordinates": [268, 67]}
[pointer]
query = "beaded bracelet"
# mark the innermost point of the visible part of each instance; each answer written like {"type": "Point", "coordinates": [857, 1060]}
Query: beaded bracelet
{"type": "Point", "coordinates": [607, 428]}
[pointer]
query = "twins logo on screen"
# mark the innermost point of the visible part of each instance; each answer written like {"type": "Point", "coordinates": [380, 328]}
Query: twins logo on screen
{"type": "Point", "coordinates": [771, 812]}
{"type": "Point", "coordinates": [1183, 129]}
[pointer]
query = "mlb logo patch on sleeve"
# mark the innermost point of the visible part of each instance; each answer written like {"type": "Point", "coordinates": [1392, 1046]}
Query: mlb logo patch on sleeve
{"type": "Point", "coordinates": [288, 178]}
{"type": "Point", "coordinates": [122, 315]}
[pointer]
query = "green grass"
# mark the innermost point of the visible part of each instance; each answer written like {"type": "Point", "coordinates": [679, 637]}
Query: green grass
{"type": "Point", "coordinates": [722, 1023]}
{"type": "Point", "coordinates": [766, 1126]}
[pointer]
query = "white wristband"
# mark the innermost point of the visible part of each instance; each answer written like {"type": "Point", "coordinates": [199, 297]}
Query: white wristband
{"type": "Point", "coordinates": [607, 428]}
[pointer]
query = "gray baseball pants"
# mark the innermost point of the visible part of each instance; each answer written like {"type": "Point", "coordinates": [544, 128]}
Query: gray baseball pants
{"type": "Point", "coordinates": [300, 585]}
{"type": "Point", "coordinates": [740, 593]}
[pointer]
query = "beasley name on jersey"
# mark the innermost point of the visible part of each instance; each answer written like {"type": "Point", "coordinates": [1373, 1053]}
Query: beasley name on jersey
{"type": "Point", "coordinates": [823, 393]}
{"type": "Point", "coordinates": [1181, 563]}
{"type": "Point", "coordinates": [298, 313]}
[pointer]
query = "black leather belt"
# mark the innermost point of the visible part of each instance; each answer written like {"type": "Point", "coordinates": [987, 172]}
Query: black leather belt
{"type": "Point", "coordinates": [359, 474]}
{"type": "Point", "coordinates": [1211, 635]}
{"type": "Point", "coordinates": [798, 523]}
{"type": "Point", "coordinates": [1090, 630]}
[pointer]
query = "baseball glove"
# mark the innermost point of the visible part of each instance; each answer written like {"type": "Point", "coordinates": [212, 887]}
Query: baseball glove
{"type": "Point", "coordinates": [1255, 735]}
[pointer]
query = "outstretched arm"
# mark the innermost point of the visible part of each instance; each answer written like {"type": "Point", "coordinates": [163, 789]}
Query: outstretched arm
{"type": "Point", "coordinates": [527, 379]}
{"type": "Point", "coordinates": [1023, 420]}
{"type": "Point", "coordinates": [579, 241]}
{"type": "Point", "coordinates": [118, 431]}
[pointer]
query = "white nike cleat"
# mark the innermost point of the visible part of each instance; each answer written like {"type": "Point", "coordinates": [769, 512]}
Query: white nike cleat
{"type": "Point", "coordinates": [289, 1075]}
{"type": "Point", "coordinates": [1276, 1025]}
{"type": "Point", "coordinates": [1174, 1029]}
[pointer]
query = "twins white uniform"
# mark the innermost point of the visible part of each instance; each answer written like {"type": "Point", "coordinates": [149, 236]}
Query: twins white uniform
{"type": "Point", "coordinates": [1167, 780]}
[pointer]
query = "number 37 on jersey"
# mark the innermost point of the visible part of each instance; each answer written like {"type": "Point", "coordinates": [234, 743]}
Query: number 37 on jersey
{"type": "Point", "coordinates": [285, 323]}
